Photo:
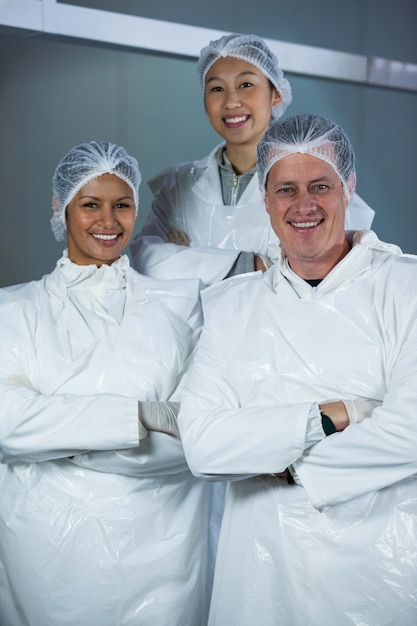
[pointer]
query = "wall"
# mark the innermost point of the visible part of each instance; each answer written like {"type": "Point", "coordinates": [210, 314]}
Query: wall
{"type": "Point", "coordinates": [54, 94]}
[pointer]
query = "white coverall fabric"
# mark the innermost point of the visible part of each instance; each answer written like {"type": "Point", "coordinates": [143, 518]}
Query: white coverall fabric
{"type": "Point", "coordinates": [189, 198]}
{"type": "Point", "coordinates": [117, 533]}
{"type": "Point", "coordinates": [342, 548]}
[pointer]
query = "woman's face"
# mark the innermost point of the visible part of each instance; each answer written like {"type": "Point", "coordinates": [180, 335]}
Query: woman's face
{"type": "Point", "coordinates": [239, 100]}
{"type": "Point", "coordinates": [100, 221]}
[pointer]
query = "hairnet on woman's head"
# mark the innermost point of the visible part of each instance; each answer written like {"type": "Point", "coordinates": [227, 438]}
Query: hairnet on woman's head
{"type": "Point", "coordinates": [253, 50]}
{"type": "Point", "coordinates": [82, 164]}
{"type": "Point", "coordinates": [308, 134]}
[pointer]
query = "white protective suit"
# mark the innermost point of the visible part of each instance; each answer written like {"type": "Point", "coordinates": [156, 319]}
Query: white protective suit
{"type": "Point", "coordinates": [189, 198]}
{"type": "Point", "coordinates": [95, 530]}
{"type": "Point", "coordinates": [341, 549]}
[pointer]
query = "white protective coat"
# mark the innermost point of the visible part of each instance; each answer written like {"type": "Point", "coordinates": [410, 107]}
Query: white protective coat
{"type": "Point", "coordinates": [189, 198]}
{"type": "Point", "coordinates": [96, 529]}
{"type": "Point", "coordinates": [341, 549]}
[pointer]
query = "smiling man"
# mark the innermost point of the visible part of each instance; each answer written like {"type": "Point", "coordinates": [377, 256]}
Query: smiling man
{"type": "Point", "coordinates": [320, 524]}
{"type": "Point", "coordinates": [307, 204]}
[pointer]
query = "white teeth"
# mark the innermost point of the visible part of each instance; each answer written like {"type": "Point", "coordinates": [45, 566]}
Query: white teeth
{"type": "Point", "coordinates": [236, 120]}
{"type": "Point", "coordinates": [105, 237]}
{"type": "Point", "coordinates": [304, 224]}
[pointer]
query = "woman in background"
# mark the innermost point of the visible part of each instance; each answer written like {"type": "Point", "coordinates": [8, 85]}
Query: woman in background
{"type": "Point", "coordinates": [101, 521]}
{"type": "Point", "coordinates": [208, 219]}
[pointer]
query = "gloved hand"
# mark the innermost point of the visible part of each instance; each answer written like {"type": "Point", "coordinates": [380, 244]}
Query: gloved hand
{"type": "Point", "coordinates": [158, 416]}
{"type": "Point", "coordinates": [179, 237]}
{"type": "Point", "coordinates": [262, 262]}
{"type": "Point", "coordinates": [345, 412]}
{"type": "Point", "coordinates": [358, 410]}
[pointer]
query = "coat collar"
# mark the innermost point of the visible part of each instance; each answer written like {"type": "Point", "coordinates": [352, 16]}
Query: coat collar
{"type": "Point", "coordinates": [359, 260]}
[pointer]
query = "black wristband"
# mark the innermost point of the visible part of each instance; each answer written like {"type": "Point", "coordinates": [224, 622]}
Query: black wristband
{"type": "Point", "coordinates": [290, 479]}
{"type": "Point", "coordinates": [328, 426]}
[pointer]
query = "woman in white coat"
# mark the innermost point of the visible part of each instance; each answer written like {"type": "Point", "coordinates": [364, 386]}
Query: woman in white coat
{"type": "Point", "coordinates": [208, 219]}
{"type": "Point", "coordinates": [101, 521]}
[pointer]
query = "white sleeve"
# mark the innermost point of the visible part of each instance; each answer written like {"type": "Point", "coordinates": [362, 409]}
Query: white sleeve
{"type": "Point", "coordinates": [223, 439]}
{"type": "Point", "coordinates": [101, 432]}
{"type": "Point", "coordinates": [158, 455]}
{"type": "Point", "coordinates": [34, 427]}
{"type": "Point", "coordinates": [153, 255]}
{"type": "Point", "coordinates": [376, 453]}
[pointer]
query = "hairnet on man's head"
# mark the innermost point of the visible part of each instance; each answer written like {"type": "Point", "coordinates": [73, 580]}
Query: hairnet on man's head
{"type": "Point", "coordinates": [308, 134]}
{"type": "Point", "coordinates": [79, 166]}
{"type": "Point", "coordinates": [253, 50]}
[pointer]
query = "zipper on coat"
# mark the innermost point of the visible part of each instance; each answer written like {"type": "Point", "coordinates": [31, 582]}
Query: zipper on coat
{"type": "Point", "coordinates": [235, 186]}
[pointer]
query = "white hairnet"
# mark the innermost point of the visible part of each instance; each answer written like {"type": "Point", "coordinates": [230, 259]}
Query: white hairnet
{"type": "Point", "coordinates": [308, 134]}
{"type": "Point", "coordinates": [82, 164]}
{"type": "Point", "coordinates": [253, 50]}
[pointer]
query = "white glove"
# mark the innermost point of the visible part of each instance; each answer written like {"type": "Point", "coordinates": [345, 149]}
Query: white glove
{"type": "Point", "coordinates": [158, 416]}
{"type": "Point", "coordinates": [358, 410]}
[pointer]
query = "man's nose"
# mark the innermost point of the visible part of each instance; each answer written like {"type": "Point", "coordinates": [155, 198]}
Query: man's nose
{"type": "Point", "coordinates": [304, 201]}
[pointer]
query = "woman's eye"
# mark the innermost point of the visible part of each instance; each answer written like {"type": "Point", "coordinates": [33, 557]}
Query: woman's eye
{"type": "Point", "coordinates": [245, 85]}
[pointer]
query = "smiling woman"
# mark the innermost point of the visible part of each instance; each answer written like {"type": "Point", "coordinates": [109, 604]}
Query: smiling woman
{"type": "Point", "coordinates": [100, 221]}
{"type": "Point", "coordinates": [94, 483]}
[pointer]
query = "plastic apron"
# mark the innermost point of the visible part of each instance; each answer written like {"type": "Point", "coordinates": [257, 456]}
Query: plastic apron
{"type": "Point", "coordinates": [341, 549]}
{"type": "Point", "coordinates": [95, 528]}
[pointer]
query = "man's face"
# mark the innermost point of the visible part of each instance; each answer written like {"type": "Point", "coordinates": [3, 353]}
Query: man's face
{"type": "Point", "coordinates": [307, 205]}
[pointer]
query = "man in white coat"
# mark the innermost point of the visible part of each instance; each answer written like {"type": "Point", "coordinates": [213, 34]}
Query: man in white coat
{"type": "Point", "coordinates": [320, 525]}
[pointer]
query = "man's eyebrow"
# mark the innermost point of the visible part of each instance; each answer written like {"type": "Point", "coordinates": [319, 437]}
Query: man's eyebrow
{"type": "Point", "coordinates": [296, 182]}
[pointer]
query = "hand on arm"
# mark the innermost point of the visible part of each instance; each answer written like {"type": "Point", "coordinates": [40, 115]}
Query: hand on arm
{"type": "Point", "coordinates": [336, 416]}
{"type": "Point", "coordinates": [358, 410]}
{"type": "Point", "coordinates": [249, 262]}
{"type": "Point", "coordinates": [345, 412]}
{"type": "Point", "coordinates": [179, 237]}
{"type": "Point", "coordinates": [262, 262]}
{"type": "Point", "coordinates": [159, 417]}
